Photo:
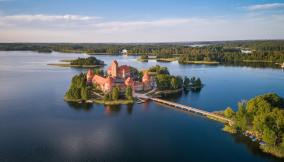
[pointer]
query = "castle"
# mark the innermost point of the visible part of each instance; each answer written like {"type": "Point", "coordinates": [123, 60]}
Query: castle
{"type": "Point", "coordinates": [119, 76]}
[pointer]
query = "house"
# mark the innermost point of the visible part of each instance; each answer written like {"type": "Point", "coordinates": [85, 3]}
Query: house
{"type": "Point", "coordinates": [246, 51]}
{"type": "Point", "coordinates": [119, 76]}
{"type": "Point", "coordinates": [124, 52]}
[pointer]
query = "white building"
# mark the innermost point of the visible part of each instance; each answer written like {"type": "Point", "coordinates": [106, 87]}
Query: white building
{"type": "Point", "coordinates": [246, 51]}
{"type": "Point", "coordinates": [124, 52]}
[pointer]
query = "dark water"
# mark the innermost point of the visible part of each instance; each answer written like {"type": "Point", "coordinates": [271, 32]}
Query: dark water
{"type": "Point", "coordinates": [37, 125]}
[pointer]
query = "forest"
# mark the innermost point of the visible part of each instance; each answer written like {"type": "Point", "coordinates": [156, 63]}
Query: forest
{"type": "Point", "coordinates": [223, 51]}
{"type": "Point", "coordinates": [263, 116]}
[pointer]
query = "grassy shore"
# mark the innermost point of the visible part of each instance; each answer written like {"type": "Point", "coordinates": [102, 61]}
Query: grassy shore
{"type": "Point", "coordinates": [115, 102]}
{"type": "Point", "coordinates": [158, 59]}
{"type": "Point", "coordinates": [100, 101]}
{"type": "Point", "coordinates": [76, 66]}
{"type": "Point", "coordinates": [258, 61]}
{"type": "Point", "coordinates": [72, 100]}
{"type": "Point", "coordinates": [274, 150]}
{"type": "Point", "coordinates": [203, 62]}
{"type": "Point", "coordinates": [229, 129]}
{"type": "Point", "coordinates": [167, 59]}
{"type": "Point", "coordinates": [166, 92]}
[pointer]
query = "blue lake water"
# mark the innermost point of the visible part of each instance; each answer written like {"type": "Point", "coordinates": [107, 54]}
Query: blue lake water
{"type": "Point", "coordinates": [37, 125]}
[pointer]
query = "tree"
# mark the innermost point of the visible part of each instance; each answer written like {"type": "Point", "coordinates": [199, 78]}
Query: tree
{"type": "Point", "coordinates": [85, 93]}
{"type": "Point", "coordinates": [269, 136]}
{"type": "Point", "coordinates": [128, 93]}
{"type": "Point", "coordinates": [107, 97]}
{"type": "Point", "coordinates": [241, 117]}
{"type": "Point", "coordinates": [179, 81]}
{"type": "Point", "coordinates": [115, 93]}
{"type": "Point", "coordinates": [186, 81]}
{"type": "Point", "coordinates": [198, 83]}
{"type": "Point", "coordinates": [174, 83]}
{"type": "Point", "coordinates": [229, 113]}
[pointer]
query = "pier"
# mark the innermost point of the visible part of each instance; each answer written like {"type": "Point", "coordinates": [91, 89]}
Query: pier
{"type": "Point", "coordinates": [186, 108]}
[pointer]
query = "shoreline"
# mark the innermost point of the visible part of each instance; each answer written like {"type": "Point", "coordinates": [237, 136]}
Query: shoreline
{"type": "Point", "coordinates": [201, 62]}
{"type": "Point", "coordinates": [76, 66]}
{"type": "Point", "coordinates": [97, 101]}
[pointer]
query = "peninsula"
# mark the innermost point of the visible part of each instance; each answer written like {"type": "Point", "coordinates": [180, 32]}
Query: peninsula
{"type": "Point", "coordinates": [261, 119]}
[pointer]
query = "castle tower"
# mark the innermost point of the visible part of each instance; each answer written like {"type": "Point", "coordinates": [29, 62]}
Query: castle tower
{"type": "Point", "coordinates": [108, 84]}
{"type": "Point", "coordinates": [90, 75]}
{"type": "Point", "coordinates": [146, 81]}
{"type": "Point", "coordinates": [114, 68]}
{"type": "Point", "coordinates": [146, 77]}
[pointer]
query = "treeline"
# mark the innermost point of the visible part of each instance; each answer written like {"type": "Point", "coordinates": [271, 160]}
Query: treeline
{"type": "Point", "coordinates": [114, 94]}
{"type": "Point", "coordinates": [78, 89]}
{"type": "Point", "coordinates": [228, 51]}
{"type": "Point", "coordinates": [264, 116]}
{"type": "Point", "coordinates": [87, 61]}
{"type": "Point", "coordinates": [165, 81]}
{"type": "Point", "coordinates": [231, 52]}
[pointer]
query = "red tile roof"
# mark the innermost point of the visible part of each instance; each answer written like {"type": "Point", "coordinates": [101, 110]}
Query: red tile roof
{"type": "Point", "coordinates": [128, 82]}
{"type": "Point", "coordinates": [98, 79]}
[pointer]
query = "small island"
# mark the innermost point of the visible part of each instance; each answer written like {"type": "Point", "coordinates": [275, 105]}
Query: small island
{"type": "Point", "coordinates": [90, 62]}
{"type": "Point", "coordinates": [121, 84]}
{"type": "Point", "coordinates": [261, 119]}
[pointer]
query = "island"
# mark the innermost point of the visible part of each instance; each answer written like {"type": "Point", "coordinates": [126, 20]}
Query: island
{"type": "Point", "coordinates": [261, 119]}
{"type": "Point", "coordinates": [122, 84]}
{"type": "Point", "coordinates": [90, 62]}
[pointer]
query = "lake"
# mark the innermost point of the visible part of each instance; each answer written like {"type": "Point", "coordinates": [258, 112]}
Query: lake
{"type": "Point", "coordinates": [37, 125]}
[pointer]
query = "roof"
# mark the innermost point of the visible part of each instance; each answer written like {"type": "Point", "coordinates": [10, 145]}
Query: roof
{"type": "Point", "coordinates": [98, 79]}
{"type": "Point", "coordinates": [108, 80]}
{"type": "Point", "coordinates": [146, 76]}
{"type": "Point", "coordinates": [123, 67]}
{"type": "Point", "coordinates": [114, 62]}
{"type": "Point", "coordinates": [90, 72]}
{"type": "Point", "coordinates": [128, 81]}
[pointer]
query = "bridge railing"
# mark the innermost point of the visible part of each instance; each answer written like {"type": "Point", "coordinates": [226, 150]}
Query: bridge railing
{"type": "Point", "coordinates": [180, 106]}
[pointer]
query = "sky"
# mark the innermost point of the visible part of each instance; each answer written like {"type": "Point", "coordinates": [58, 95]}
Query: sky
{"type": "Point", "coordinates": [93, 21]}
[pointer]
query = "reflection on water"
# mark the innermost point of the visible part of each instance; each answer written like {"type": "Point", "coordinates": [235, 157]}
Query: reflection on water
{"type": "Point", "coordinates": [80, 106]}
{"type": "Point", "coordinates": [253, 147]}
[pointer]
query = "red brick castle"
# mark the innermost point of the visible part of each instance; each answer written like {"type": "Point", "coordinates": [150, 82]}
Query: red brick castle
{"type": "Point", "coordinates": [119, 76]}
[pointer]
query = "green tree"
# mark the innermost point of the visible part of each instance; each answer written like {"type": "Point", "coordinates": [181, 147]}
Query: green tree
{"type": "Point", "coordinates": [85, 93]}
{"type": "Point", "coordinates": [186, 81]}
{"type": "Point", "coordinates": [107, 97]}
{"type": "Point", "coordinates": [115, 93]}
{"type": "Point", "coordinates": [241, 117]}
{"type": "Point", "coordinates": [198, 82]}
{"type": "Point", "coordinates": [269, 136]}
{"type": "Point", "coordinates": [229, 113]}
{"type": "Point", "coordinates": [128, 93]}
{"type": "Point", "coordinates": [174, 83]}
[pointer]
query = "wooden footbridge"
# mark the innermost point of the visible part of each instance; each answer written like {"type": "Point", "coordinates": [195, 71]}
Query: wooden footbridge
{"type": "Point", "coordinates": [187, 108]}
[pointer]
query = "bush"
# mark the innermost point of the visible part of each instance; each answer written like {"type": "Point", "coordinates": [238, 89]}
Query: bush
{"type": "Point", "coordinates": [229, 113]}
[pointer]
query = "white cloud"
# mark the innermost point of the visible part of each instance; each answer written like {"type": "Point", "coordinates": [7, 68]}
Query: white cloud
{"type": "Point", "coordinates": [41, 17]}
{"type": "Point", "coordinates": [91, 29]}
{"type": "Point", "coordinates": [267, 6]}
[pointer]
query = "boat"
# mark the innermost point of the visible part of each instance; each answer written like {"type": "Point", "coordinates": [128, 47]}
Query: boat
{"type": "Point", "coordinates": [262, 143]}
{"type": "Point", "coordinates": [282, 66]}
{"type": "Point", "coordinates": [89, 101]}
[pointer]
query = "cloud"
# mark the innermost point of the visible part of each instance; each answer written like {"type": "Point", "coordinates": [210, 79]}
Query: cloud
{"type": "Point", "coordinates": [48, 28]}
{"type": "Point", "coordinates": [267, 6]}
{"type": "Point", "coordinates": [79, 21]}
{"type": "Point", "coordinates": [41, 17]}
{"type": "Point", "coordinates": [134, 25]}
